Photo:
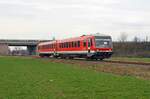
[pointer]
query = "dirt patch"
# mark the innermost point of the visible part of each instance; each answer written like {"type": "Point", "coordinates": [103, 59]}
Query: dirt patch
{"type": "Point", "coordinates": [139, 71]}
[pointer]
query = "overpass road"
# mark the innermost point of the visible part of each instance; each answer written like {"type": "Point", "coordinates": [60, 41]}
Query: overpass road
{"type": "Point", "coordinates": [31, 44]}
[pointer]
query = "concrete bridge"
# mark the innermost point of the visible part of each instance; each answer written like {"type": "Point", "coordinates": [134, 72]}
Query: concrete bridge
{"type": "Point", "coordinates": [31, 44]}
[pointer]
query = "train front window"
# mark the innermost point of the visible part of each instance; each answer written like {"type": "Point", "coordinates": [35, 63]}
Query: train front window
{"type": "Point", "coordinates": [103, 42]}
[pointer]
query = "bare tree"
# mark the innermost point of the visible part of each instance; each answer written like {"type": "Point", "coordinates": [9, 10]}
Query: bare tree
{"type": "Point", "coordinates": [123, 37]}
{"type": "Point", "coordinates": [54, 38]}
{"type": "Point", "coordinates": [136, 39]}
{"type": "Point", "coordinates": [146, 39]}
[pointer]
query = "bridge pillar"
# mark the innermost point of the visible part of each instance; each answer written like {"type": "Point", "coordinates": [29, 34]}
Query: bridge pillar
{"type": "Point", "coordinates": [31, 50]}
{"type": "Point", "coordinates": [4, 49]}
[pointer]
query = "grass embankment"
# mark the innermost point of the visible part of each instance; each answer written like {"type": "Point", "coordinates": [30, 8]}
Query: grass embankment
{"type": "Point", "coordinates": [26, 78]}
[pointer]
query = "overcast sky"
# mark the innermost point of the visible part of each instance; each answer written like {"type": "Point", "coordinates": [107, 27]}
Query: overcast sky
{"type": "Point", "coordinates": [43, 19]}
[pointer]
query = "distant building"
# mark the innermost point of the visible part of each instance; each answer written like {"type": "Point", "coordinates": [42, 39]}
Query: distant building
{"type": "Point", "coordinates": [4, 49]}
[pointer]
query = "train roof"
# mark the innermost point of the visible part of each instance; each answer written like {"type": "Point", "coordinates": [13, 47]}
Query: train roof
{"type": "Point", "coordinates": [74, 39]}
{"type": "Point", "coordinates": [99, 34]}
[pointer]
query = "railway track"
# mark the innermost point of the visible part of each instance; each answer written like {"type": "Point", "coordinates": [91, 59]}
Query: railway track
{"type": "Point", "coordinates": [106, 61]}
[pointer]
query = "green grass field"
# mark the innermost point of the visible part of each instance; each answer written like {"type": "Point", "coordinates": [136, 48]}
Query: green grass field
{"type": "Point", "coordinates": [27, 78]}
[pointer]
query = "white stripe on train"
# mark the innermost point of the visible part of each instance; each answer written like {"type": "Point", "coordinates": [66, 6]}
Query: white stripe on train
{"type": "Point", "coordinates": [69, 52]}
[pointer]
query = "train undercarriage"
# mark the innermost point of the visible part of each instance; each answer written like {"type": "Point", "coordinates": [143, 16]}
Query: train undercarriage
{"type": "Point", "coordinates": [96, 55]}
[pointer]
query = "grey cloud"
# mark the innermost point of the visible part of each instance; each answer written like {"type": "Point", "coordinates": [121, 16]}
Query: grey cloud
{"type": "Point", "coordinates": [79, 16]}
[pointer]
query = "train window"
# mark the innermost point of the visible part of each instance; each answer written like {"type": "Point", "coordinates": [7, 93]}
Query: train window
{"type": "Point", "coordinates": [89, 42]}
{"type": "Point", "coordinates": [84, 43]}
{"type": "Point", "coordinates": [54, 45]}
{"type": "Point", "coordinates": [78, 43]}
{"type": "Point", "coordinates": [67, 45]}
{"type": "Point", "coordinates": [72, 44]}
{"type": "Point", "coordinates": [75, 44]}
{"type": "Point", "coordinates": [62, 45]}
{"type": "Point", "coordinates": [59, 45]}
{"type": "Point", "coordinates": [48, 46]}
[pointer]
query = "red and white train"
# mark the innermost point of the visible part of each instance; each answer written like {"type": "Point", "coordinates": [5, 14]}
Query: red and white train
{"type": "Point", "coordinates": [87, 46]}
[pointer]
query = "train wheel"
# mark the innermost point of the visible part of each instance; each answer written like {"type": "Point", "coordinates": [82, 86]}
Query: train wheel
{"type": "Point", "coordinates": [41, 55]}
{"type": "Point", "coordinates": [101, 59]}
{"type": "Point", "coordinates": [70, 57]}
{"type": "Point", "coordinates": [96, 59]}
{"type": "Point", "coordinates": [88, 58]}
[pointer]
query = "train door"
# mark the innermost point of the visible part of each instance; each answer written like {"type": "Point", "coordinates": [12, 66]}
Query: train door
{"type": "Point", "coordinates": [89, 44]}
{"type": "Point", "coordinates": [55, 49]}
{"type": "Point", "coordinates": [89, 47]}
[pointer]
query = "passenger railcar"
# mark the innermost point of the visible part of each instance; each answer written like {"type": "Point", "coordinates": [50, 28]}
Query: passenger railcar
{"type": "Point", "coordinates": [86, 46]}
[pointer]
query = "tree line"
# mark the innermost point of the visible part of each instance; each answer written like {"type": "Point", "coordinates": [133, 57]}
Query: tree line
{"type": "Point", "coordinates": [134, 48]}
